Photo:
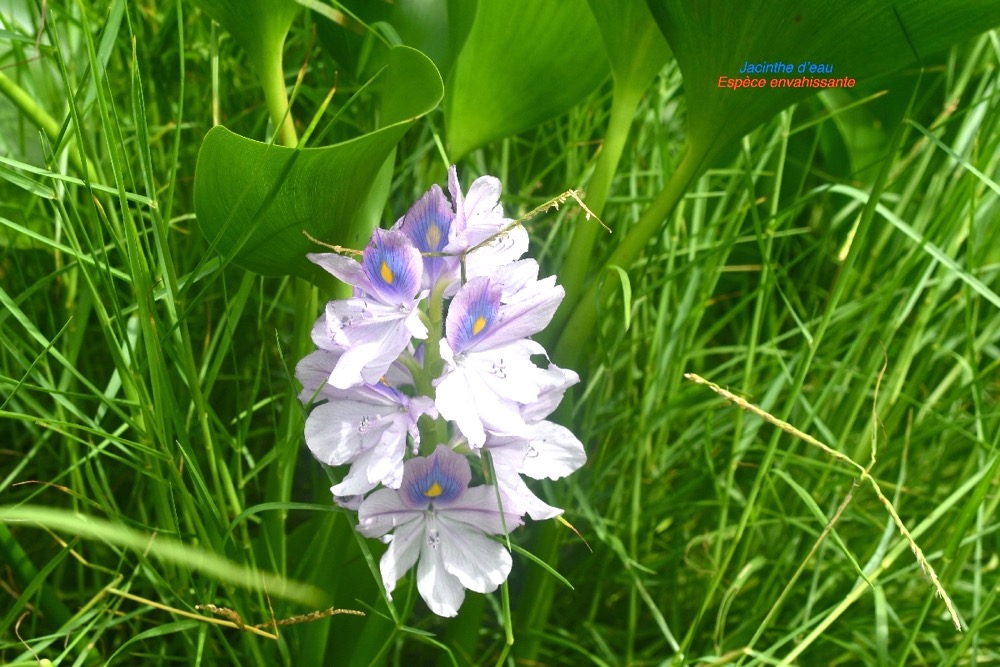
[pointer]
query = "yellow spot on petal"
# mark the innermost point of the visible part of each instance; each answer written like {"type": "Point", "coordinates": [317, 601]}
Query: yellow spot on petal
{"type": "Point", "coordinates": [434, 491]}
{"type": "Point", "coordinates": [478, 325]}
{"type": "Point", "coordinates": [433, 236]}
{"type": "Point", "coordinates": [386, 273]}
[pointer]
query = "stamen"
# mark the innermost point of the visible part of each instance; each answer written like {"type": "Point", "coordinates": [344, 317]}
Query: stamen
{"type": "Point", "coordinates": [365, 424]}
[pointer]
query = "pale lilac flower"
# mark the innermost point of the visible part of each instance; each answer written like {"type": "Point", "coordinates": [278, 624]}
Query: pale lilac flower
{"type": "Point", "coordinates": [437, 519]}
{"type": "Point", "coordinates": [374, 328]}
{"type": "Point", "coordinates": [551, 390]}
{"type": "Point", "coordinates": [508, 454]}
{"type": "Point", "coordinates": [485, 390]}
{"type": "Point", "coordinates": [486, 313]}
{"type": "Point", "coordinates": [366, 426]}
{"type": "Point", "coordinates": [435, 227]}
{"type": "Point", "coordinates": [553, 451]}
{"type": "Point", "coordinates": [489, 373]}
{"type": "Point", "coordinates": [370, 362]}
{"type": "Point", "coordinates": [397, 375]}
{"type": "Point", "coordinates": [479, 216]}
{"type": "Point", "coordinates": [428, 225]}
{"type": "Point", "coordinates": [543, 450]}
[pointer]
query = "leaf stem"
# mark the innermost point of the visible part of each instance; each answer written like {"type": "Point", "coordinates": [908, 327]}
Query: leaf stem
{"type": "Point", "coordinates": [37, 115]}
{"type": "Point", "coordinates": [578, 266]}
{"type": "Point", "coordinates": [580, 327]}
{"type": "Point", "coordinates": [271, 73]}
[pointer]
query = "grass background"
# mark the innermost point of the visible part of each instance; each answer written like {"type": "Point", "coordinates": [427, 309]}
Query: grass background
{"type": "Point", "coordinates": [151, 441]}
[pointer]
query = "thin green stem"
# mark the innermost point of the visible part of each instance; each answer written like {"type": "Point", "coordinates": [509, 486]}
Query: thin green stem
{"type": "Point", "coordinates": [27, 105]}
{"type": "Point", "coordinates": [432, 346]}
{"type": "Point", "coordinates": [271, 73]}
{"type": "Point", "coordinates": [290, 430]}
{"type": "Point", "coordinates": [580, 328]}
{"type": "Point", "coordinates": [26, 574]}
{"type": "Point", "coordinates": [37, 115]}
{"type": "Point", "coordinates": [578, 265]}
{"type": "Point", "coordinates": [436, 431]}
{"type": "Point", "coordinates": [803, 366]}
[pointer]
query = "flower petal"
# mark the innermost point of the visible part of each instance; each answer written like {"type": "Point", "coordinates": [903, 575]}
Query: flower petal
{"type": "Point", "coordinates": [402, 553]}
{"type": "Point", "coordinates": [553, 451]}
{"type": "Point", "coordinates": [479, 210]}
{"type": "Point", "coordinates": [370, 468]}
{"type": "Point", "coordinates": [472, 314]}
{"type": "Point", "coordinates": [514, 277]}
{"type": "Point", "coordinates": [313, 371]}
{"type": "Point", "coordinates": [510, 454]}
{"type": "Point", "coordinates": [463, 397]}
{"type": "Point", "coordinates": [508, 247]}
{"type": "Point", "coordinates": [479, 563]}
{"type": "Point", "coordinates": [551, 389]}
{"type": "Point", "coordinates": [374, 335]}
{"type": "Point", "coordinates": [488, 313]}
{"type": "Point", "coordinates": [393, 266]}
{"type": "Point", "coordinates": [439, 479]}
{"type": "Point", "coordinates": [479, 508]}
{"type": "Point", "coordinates": [508, 371]}
{"type": "Point", "coordinates": [428, 225]}
{"type": "Point", "coordinates": [338, 431]}
{"type": "Point", "coordinates": [527, 313]}
{"type": "Point", "coordinates": [345, 269]}
{"type": "Point", "coordinates": [441, 590]}
{"type": "Point", "coordinates": [323, 335]}
{"type": "Point", "coordinates": [520, 499]}
{"type": "Point", "coordinates": [479, 216]}
{"type": "Point", "coordinates": [384, 510]}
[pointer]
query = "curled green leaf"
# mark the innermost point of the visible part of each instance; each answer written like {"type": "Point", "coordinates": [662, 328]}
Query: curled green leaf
{"type": "Point", "coordinates": [255, 202]}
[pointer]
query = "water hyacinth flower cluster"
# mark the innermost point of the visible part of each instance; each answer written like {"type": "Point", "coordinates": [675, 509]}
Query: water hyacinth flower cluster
{"type": "Point", "coordinates": [427, 367]}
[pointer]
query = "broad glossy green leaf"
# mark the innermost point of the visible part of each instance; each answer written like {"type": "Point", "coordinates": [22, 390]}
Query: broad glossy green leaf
{"type": "Point", "coordinates": [864, 137]}
{"type": "Point", "coordinates": [634, 44]}
{"type": "Point", "coordinates": [522, 63]}
{"type": "Point", "coordinates": [255, 200]}
{"type": "Point", "coordinates": [423, 24]}
{"type": "Point", "coordinates": [861, 39]}
{"type": "Point", "coordinates": [360, 42]}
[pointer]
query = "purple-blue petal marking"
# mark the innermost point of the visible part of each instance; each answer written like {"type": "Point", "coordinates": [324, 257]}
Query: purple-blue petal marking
{"type": "Point", "coordinates": [393, 265]}
{"type": "Point", "coordinates": [440, 478]}
{"type": "Point", "coordinates": [428, 224]}
{"type": "Point", "coordinates": [428, 221]}
{"type": "Point", "coordinates": [472, 313]}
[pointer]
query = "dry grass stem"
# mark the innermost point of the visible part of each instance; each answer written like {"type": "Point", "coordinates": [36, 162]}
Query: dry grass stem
{"type": "Point", "coordinates": [864, 474]}
{"type": "Point", "coordinates": [231, 619]}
